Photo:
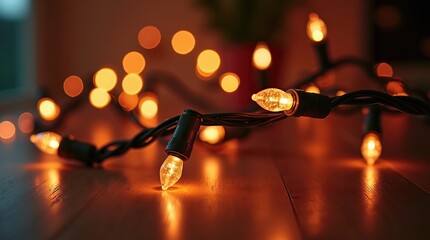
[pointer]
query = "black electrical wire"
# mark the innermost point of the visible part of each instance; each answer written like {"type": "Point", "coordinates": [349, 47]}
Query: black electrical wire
{"type": "Point", "coordinates": [257, 119]}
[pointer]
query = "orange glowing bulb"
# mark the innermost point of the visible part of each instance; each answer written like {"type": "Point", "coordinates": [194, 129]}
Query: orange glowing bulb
{"type": "Point", "coordinates": [105, 78]}
{"type": "Point", "coordinates": [316, 28]}
{"type": "Point", "coordinates": [340, 93]}
{"type": "Point", "coordinates": [7, 130]}
{"type": "Point", "coordinates": [170, 171]}
{"type": "Point", "coordinates": [261, 58]}
{"type": "Point", "coordinates": [274, 100]}
{"type": "Point", "coordinates": [212, 134]}
{"type": "Point", "coordinates": [73, 86]}
{"type": "Point", "coordinates": [149, 37]}
{"type": "Point", "coordinates": [48, 109]}
{"type": "Point", "coordinates": [229, 82]}
{"type": "Point", "coordinates": [396, 88]}
{"type": "Point", "coordinates": [128, 102]}
{"type": "Point", "coordinates": [133, 62]}
{"type": "Point", "coordinates": [148, 105]}
{"type": "Point", "coordinates": [371, 148]}
{"type": "Point", "coordinates": [384, 69]}
{"type": "Point", "coordinates": [26, 122]}
{"type": "Point", "coordinates": [99, 97]}
{"type": "Point", "coordinates": [183, 42]}
{"type": "Point", "coordinates": [313, 89]}
{"type": "Point", "coordinates": [208, 62]}
{"type": "Point", "coordinates": [132, 83]}
{"type": "Point", "coordinates": [47, 142]}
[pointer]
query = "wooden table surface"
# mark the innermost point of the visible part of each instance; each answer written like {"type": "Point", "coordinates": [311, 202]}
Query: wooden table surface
{"type": "Point", "coordinates": [297, 179]}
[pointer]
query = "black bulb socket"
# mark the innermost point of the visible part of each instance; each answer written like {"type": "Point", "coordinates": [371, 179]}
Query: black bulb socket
{"type": "Point", "coordinates": [72, 149]}
{"type": "Point", "coordinates": [372, 121]}
{"type": "Point", "coordinates": [308, 104]}
{"type": "Point", "coordinates": [182, 141]}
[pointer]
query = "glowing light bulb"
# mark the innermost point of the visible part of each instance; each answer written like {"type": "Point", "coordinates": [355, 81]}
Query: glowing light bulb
{"type": "Point", "coordinates": [170, 171]}
{"type": "Point", "coordinates": [261, 57]}
{"type": "Point", "coordinates": [313, 89]}
{"type": "Point", "coordinates": [47, 142]}
{"type": "Point", "coordinates": [371, 148]}
{"type": "Point", "coordinates": [48, 109]}
{"type": "Point", "coordinates": [274, 100]}
{"type": "Point", "coordinates": [316, 28]}
{"type": "Point", "coordinates": [212, 134]}
{"type": "Point", "coordinates": [229, 82]}
{"type": "Point", "coordinates": [208, 62]}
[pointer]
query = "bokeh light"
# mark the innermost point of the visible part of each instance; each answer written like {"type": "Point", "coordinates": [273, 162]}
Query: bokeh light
{"type": "Point", "coordinates": [384, 69]}
{"type": "Point", "coordinates": [48, 109]}
{"type": "Point", "coordinates": [26, 122]}
{"type": "Point", "coordinates": [105, 78]}
{"type": "Point", "coordinates": [229, 82]}
{"type": "Point", "coordinates": [212, 134]}
{"type": "Point", "coordinates": [148, 105]}
{"type": "Point", "coordinates": [312, 89]}
{"type": "Point", "coordinates": [7, 130]}
{"type": "Point", "coordinates": [261, 58]}
{"type": "Point", "coordinates": [133, 62]}
{"type": "Point", "coordinates": [396, 88]}
{"type": "Point", "coordinates": [183, 42]}
{"type": "Point", "coordinates": [316, 28]}
{"type": "Point", "coordinates": [99, 97]}
{"type": "Point", "coordinates": [149, 37]}
{"type": "Point", "coordinates": [340, 93]}
{"type": "Point", "coordinates": [132, 84]}
{"type": "Point", "coordinates": [208, 62]}
{"type": "Point", "coordinates": [73, 86]}
{"type": "Point", "coordinates": [128, 102]}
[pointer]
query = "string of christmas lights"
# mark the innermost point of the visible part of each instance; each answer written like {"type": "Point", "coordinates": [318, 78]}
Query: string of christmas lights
{"type": "Point", "coordinates": [281, 104]}
{"type": "Point", "coordinates": [225, 126]}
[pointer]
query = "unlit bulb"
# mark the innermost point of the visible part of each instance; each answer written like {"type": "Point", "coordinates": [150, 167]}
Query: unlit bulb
{"type": "Point", "coordinates": [47, 142]}
{"type": "Point", "coordinates": [274, 100]}
{"type": "Point", "coordinates": [371, 148]}
{"type": "Point", "coordinates": [170, 171]}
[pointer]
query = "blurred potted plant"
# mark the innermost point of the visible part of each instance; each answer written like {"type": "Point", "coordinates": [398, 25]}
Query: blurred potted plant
{"type": "Point", "coordinates": [244, 23]}
{"type": "Point", "coordinates": [247, 21]}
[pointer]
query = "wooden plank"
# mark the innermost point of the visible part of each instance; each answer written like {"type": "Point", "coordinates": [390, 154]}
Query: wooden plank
{"type": "Point", "coordinates": [336, 196]}
{"type": "Point", "coordinates": [231, 192]}
{"type": "Point", "coordinates": [220, 196]}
